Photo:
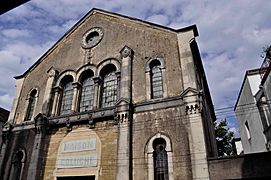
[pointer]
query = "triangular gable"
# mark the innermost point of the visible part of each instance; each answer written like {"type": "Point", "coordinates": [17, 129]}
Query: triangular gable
{"type": "Point", "coordinates": [189, 92]}
{"type": "Point", "coordinates": [107, 13]}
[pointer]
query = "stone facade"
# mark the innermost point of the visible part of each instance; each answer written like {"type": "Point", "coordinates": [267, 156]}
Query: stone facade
{"type": "Point", "coordinates": [160, 99]}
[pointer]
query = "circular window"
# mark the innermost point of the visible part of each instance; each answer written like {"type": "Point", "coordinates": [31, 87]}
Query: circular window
{"type": "Point", "coordinates": [92, 37]}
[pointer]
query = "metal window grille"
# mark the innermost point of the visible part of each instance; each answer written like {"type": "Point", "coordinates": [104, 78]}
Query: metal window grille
{"type": "Point", "coordinates": [156, 82]}
{"type": "Point", "coordinates": [31, 105]}
{"type": "Point", "coordinates": [87, 95]}
{"type": "Point", "coordinates": [160, 162]}
{"type": "Point", "coordinates": [109, 90]}
{"type": "Point", "coordinates": [66, 101]}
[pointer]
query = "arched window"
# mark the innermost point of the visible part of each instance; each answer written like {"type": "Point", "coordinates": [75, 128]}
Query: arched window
{"type": "Point", "coordinates": [17, 165]}
{"type": "Point", "coordinates": [87, 92]}
{"type": "Point", "coordinates": [31, 105]}
{"type": "Point", "coordinates": [67, 95]}
{"type": "Point", "coordinates": [156, 79]}
{"type": "Point", "coordinates": [109, 87]}
{"type": "Point", "coordinates": [160, 159]}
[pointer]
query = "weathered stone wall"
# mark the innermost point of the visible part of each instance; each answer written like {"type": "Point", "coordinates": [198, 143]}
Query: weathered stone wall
{"type": "Point", "coordinates": [172, 123]}
{"type": "Point", "coordinates": [106, 132]}
{"type": "Point", "coordinates": [249, 166]}
{"type": "Point", "coordinates": [20, 140]}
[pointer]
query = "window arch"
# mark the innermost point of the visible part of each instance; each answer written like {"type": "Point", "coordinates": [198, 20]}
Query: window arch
{"type": "Point", "coordinates": [109, 86]}
{"type": "Point", "coordinates": [158, 153]}
{"type": "Point", "coordinates": [87, 91]}
{"type": "Point", "coordinates": [31, 104]}
{"type": "Point", "coordinates": [66, 95]}
{"type": "Point", "coordinates": [156, 79]}
{"type": "Point", "coordinates": [17, 164]}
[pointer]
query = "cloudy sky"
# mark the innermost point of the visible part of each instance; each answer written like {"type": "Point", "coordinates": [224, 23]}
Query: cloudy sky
{"type": "Point", "coordinates": [232, 35]}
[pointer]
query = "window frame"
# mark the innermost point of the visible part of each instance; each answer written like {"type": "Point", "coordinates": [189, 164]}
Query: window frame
{"type": "Point", "coordinates": [86, 76]}
{"type": "Point", "coordinates": [67, 79]}
{"type": "Point", "coordinates": [31, 104]}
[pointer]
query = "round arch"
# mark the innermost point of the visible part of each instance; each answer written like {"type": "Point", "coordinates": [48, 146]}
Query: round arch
{"type": "Point", "coordinates": [85, 68]}
{"type": "Point", "coordinates": [64, 74]}
{"type": "Point", "coordinates": [149, 155]}
{"type": "Point", "coordinates": [106, 62]}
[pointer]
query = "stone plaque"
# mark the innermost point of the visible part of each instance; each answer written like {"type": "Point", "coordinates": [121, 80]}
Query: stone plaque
{"type": "Point", "coordinates": [79, 145]}
{"type": "Point", "coordinates": [77, 161]}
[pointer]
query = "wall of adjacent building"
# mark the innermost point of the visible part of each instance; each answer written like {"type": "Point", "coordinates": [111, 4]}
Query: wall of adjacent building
{"type": "Point", "coordinates": [247, 111]}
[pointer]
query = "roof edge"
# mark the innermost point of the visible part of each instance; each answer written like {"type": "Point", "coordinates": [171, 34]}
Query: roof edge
{"type": "Point", "coordinates": [248, 72]}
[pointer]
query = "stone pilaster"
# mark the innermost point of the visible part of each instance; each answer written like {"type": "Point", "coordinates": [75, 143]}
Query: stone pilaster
{"type": "Point", "coordinates": [197, 145]}
{"type": "Point", "coordinates": [52, 73]}
{"type": "Point", "coordinates": [97, 83]}
{"type": "Point", "coordinates": [19, 85]}
{"type": "Point", "coordinates": [75, 99]}
{"type": "Point", "coordinates": [55, 106]}
{"type": "Point", "coordinates": [123, 116]}
{"type": "Point", "coordinates": [35, 165]}
{"type": "Point", "coordinates": [5, 140]}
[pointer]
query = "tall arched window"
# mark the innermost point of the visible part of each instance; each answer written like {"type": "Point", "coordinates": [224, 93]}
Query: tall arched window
{"type": "Point", "coordinates": [67, 95]}
{"type": "Point", "coordinates": [31, 105]}
{"type": "Point", "coordinates": [17, 165]}
{"type": "Point", "coordinates": [156, 79]}
{"type": "Point", "coordinates": [160, 160]}
{"type": "Point", "coordinates": [109, 87]}
{"type": "Point", "coordinates": [87, 92]}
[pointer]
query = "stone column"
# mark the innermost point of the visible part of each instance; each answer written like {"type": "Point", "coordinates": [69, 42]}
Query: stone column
{"type": "Point", "coordinates": [52, 73]}
{"type": "Point", "coordinates": [195, 126]}
{"type": "Point", "coordinates": [56, 101]}
{"type": "Point", "coordinates": [97, 83]}
{"type": "Point", "coordinates": [5, 140]}
{"type": "Point", "coordinates": [123, 116]}
{"type": "Point", "coordinates": [19, 85]}
{"type": "Point", "coordinates": [75, 98]}
{"type": "Point", "coordinates": [36, 159]}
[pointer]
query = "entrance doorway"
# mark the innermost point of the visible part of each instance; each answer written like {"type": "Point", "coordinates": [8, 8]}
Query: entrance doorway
{"type": "Point", "coordinates": [77, 178]}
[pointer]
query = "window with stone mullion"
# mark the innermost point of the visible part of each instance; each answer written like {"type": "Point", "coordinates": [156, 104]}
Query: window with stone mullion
{"type": "Point", "coordinates": [109, 95]}
{"type": "Point", "coordinates": [87, 96]}
{"type": "Point", "coordinates": [160, 163]}
{"type": "Point", "coordinates": [30, 108]}
{"type": "Point", "coordinates": [66, 102]}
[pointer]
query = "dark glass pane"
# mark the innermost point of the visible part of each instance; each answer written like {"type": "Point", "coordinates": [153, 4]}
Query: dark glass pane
{"type": "Point", "coordinates": [87, 95]}
{"type": "Point", "coordinates": [156, 82]}
{"type": "Point", "coordinates": [31, 106]}
{"type": "Point", "coordinates": [66, 101]}
{"type": "Point", "coordinates": [160, 161]}
{"type": "Point", "coordinates": [109, 90]}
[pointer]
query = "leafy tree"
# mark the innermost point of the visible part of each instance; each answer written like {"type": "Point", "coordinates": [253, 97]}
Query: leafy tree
{"type": "Point", "coordinates": [224, 139]}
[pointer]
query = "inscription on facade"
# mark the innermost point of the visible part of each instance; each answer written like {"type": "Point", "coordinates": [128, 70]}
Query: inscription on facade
{"type": "Point", "coordinates": [77, 161]}
{"type": "Point", "coordinates": [79, 145]}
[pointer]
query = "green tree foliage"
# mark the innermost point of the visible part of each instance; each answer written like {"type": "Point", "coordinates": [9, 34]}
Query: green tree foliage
{"type": "Point", "coordinates": [224, 139]}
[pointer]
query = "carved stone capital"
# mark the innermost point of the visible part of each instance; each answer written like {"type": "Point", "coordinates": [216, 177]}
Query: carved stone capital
{"type": "Point", "coordinates": [192, 109]}
{"type": "Point", "coordinates": [126, 51]}
{"type": "Point", "coordinates": [41, 123]}
{"type": "Point", "coordinates": [52, 72]}
{"type": "Point", "coordinates": [97, 80]}
{"type": "Point", "coordinates": [6, 129]}
{"type": "Point", "coordinates": [122, 117]}
{"type": "Point", "coordinates": [68, 125]}
{"type": "Point", "coordinates": [76, 85]}
{"type": "Point", "coordinates": [57, 89]}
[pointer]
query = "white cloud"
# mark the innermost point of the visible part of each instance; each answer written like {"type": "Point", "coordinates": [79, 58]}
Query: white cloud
{"type": "Point", "coordinates": [15, 33]}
